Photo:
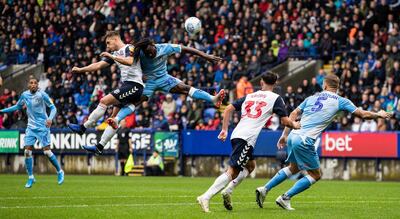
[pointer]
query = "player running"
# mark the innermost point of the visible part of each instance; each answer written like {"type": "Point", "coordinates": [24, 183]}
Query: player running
{"type": "Point", "coordinates": [38, 128]}
{"type": "Point", "coordinates": [256, 109]}
{"type": "Point", "coordinates": [129, 92]}
{"type": "Point", "coordinates": [153, 58]}
{"type": "Point", "coordinates": [316, 112]}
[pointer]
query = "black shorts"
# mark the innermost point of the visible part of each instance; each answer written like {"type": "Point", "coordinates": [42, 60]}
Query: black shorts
{"type": "Point", "coordinates": [129, 93]}
{"type": "Point", "coordinates": [241, 153]}
{"type": "Point", "coordinates": [123, 151]}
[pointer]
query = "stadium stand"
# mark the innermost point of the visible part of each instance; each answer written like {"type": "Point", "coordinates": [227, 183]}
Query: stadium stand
{"type": "Point", "coordinates": [252, 36]}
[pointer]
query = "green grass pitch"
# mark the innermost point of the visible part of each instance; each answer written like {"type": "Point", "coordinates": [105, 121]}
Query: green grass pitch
{"type": "Point", "coordinates": [174, 197]}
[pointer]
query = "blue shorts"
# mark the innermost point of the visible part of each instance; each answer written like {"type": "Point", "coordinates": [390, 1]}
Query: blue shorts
{"type": "Point", "coordinates": [241, 154]}
{"type": "Point", "coordinates": [31, 136]}
{"type": "Point", "coordinates": [301, 151]}
{"type": "Point", "coordinates": [164, 83]}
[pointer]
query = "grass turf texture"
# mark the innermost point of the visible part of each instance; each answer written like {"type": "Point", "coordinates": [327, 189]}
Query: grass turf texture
{"type": "Point", "coordinates": [174, 197]}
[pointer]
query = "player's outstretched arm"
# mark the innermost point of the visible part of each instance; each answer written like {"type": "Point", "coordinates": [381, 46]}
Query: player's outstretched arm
{"type": "Point", "coordinates": [90, 68]}
{"type": "Point", "coordinates": [123, 60]}
{"type": "Point", "coordinates": [16, 107]}
{"type": "Point", "coordinates": [364, 114]}
{"type": "Point", "coordinates": [225, 122]}
{"type": "Point", "coordinates": [11, 109]}
{"type": "Point", "coordinates": [208, 57]}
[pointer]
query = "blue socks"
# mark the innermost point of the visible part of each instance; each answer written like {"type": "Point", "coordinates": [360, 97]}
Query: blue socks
{"type": "Point", "coordinates": [279, 177]}
{"type": "Point", "coordinates": [301, 185]}
{"type": "Point", "coordinates": [54, 161]}
{"type": "Point", "coordinates": [200, 94]}
{"type": "Point", "coordinates": [29, 166]}
{"type": "Point", "coordinates": [124, 112]}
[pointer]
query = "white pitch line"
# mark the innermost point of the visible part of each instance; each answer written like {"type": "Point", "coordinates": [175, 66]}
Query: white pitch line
{"type": "Point", "coordinates": [176, 196]}
{"type": "Point", "coordinates": [93, 197]}
{"type": "Point", "coordinates": [177, 204]}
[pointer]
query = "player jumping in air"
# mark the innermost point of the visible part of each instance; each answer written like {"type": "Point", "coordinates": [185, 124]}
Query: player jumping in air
{"type": "Point", "coordinates": [129, 92]}
{"type": "Point", "coordinates": [317, 112]}
{"type": "Point", "coordinates": [256, 109]}
{"type": "Point", "coordinates": [38, 128]}
{"type": "Point", "coordinates": [153, 58]}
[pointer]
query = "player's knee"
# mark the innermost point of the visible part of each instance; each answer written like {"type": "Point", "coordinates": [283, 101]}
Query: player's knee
{"type": "Point", "coordinates": [48, 153]}
{"type": "Point", "coordinates": [28, 152]}
{"type": "Point", "coordinates": [316, 175]}
{"type": "Point", "coordinates": [251, 166]}
{"type": "Point", "coordinates": [233, 172]}
{"type": "Point", "coordinates": [293, 168]}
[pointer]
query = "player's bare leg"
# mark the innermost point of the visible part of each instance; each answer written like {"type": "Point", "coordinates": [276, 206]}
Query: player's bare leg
{"type": "Point", "coordinates": [227, 192]}
{"type": "Point", "coordinates": [195, 93]}
{"type": "Point", "coordinates": [280, 176]}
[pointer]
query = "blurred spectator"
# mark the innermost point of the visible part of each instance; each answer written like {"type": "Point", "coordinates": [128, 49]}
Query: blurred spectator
{"type": "Point", "coordinates": [369, 126]}
{"type": "Point", "coordinates": [169, 105]}
{"type": "Point", "coordinates": [154, 165]}
{"type": "Point", "coordinates": [243, 87]}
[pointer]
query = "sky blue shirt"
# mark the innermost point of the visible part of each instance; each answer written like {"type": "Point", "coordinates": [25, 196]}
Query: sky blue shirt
{"type": "Point", "coordinates": [157, 67]}
{"type": "Point", "coordinates": [319, 110]}
{"type": "Point", "coordinates": [35, 108]}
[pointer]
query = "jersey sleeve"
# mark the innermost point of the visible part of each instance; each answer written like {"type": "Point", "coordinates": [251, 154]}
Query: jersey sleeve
{"type": "Point", "coordinates": [129, 50]}
{"type": "Point", "coordinates": [303, 104]}
{"type": "Point", "coordinates": [238, 103]}
{"type": "Point", "coordinates": [346, 105]}
{"type": "Point", "coordinates": [279, 107]}
{"type": "Point", "coordinates": [17, 106]}
{"type": "Point", "coordinates": [49, 103]}
{"type": "Point", "coordinates": [108, 60]}
{"type": "Point", "coordinates": [168, 49]}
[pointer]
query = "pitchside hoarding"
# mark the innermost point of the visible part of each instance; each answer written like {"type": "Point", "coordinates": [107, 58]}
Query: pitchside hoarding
{"type": "Point", "coordinates": [9, 141]}
{"type": "Point", "coordinates": [167, 143]}
{"type": "Point", "coordinates": [331, 144]}
{"type": "Point", "coordinates": [356, 144]}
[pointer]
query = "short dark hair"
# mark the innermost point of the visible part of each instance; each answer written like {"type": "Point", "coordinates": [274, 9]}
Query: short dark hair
{"type": "Point", "coordinates": [270, 78]}
{"type": "Point", "coordinates": [111, 34]}
{"type": "Point", "coordinates": [32, 77]}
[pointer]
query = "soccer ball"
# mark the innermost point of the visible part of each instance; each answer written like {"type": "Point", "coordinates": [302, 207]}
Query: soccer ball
{"type": "Point", "coordinates": [192, 25]}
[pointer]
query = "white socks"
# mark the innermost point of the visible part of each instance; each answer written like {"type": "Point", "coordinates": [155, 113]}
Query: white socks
{"type": "Point", "coordinates": [48, 153]}
{"type": "Point", "coordinates": [191, 91]}
{"type": "Point", "coordinates": [107, 135]}
{"type": "Point", "coordinates": [95, 116]}
{"type": "Point", "coordinates": [218, 185]}
{"type": "Point", "coordinates": [234, 183]}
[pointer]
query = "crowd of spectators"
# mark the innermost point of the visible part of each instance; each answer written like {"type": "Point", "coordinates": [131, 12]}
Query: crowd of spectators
{"type": "Point", "coordinates": [362, 37]}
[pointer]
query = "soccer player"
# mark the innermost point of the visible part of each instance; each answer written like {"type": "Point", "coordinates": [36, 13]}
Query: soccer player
{"type": "Point", "coordinates": [153, 58]}
{"type": "Point", "coordinates": [316, 112]}
{"type": "Point", "coordinates": [256, 109]}
{"type": "Point", "coordinates": [129, 92]}
{"type": "Point", "coordinates": [38, 128]}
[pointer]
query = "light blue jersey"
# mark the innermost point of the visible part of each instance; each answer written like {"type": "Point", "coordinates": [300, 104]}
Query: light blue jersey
{"type": "Point", "coordinates": [157, 67]}
{"type": "Point", "coordinates": [36, 109]}
{"type": "Point", "coordinates": [318, 112]}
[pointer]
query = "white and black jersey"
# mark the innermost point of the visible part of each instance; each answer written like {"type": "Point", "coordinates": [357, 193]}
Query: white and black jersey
{"type": "Point", "coordinates": [256, 109]}
{"type": "Point", "coordinates": [132, 72]}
